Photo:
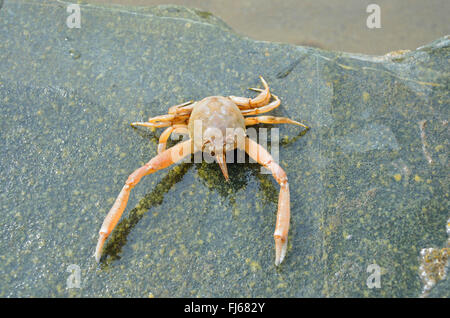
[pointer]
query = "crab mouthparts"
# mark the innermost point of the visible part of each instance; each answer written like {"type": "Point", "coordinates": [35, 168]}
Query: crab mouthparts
{"type": "Point", "coordinates": [223, 164]}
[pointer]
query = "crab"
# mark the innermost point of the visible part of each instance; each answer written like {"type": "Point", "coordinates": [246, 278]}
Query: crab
{"type": "Point", "coordinates": [214, 124]}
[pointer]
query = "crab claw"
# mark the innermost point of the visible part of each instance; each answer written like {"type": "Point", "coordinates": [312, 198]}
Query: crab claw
{"type": "Point", "coordinates": [220, 157]}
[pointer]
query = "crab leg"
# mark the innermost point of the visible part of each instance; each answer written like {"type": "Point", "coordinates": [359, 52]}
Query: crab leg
{"type": "Point", "coordinates": [159, 162]}
{"type": "Point", "coordinates": [177, 109]}
{"type": "Point", "coordinates": [260, 155]}
{"type": "Point", "coordinates": [152, 125]}
{"type": "Point", "coordinates": [166, 134]}
{"type": "Point", "coordinates": [264, 109]}
{"type": "Point", "coordinates": [163, 121]}
{"type": "Point", "coordinates": [157, 122]}
{"type": "Point", "coordinates": [262, 99]}
{"type": "Point", "coordinates": [271, 120]}
{"type": "Point", "coordinates": [162, 118]}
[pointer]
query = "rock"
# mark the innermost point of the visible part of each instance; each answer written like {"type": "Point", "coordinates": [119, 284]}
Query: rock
{"type": "Point", "coordinates": [369, 181]}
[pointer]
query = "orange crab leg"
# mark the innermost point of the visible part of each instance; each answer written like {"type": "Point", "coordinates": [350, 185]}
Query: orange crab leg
{"type": "Point", "coordinates": [166, 134]}
{"type": "Point", "coordinates": [260, 155]}
{"type": "Point", "coordinates": [271, 120]}
{"type": "Point", "coordinates": [163, 121]}
{"type": "Point", "coordinates": [161, 161]}
{"type": "Point", "coordinates": [152, 125]}
{"type": "Point", "coordinates": [262, 99]}
{"type": "Point", "coordinates": [264, 109]}
{"type": "Point", "coordinates": [169, 118]}
{"type": "Point", "coordinates": [182, 108]}
{"type": "Point", "coordinates": [162, 118]}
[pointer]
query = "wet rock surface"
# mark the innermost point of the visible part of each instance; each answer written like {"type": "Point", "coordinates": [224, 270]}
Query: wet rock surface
{"type": "Point", "coordinates": [369, 180]}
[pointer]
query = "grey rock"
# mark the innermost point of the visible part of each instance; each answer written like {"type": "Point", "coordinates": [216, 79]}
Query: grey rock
{"type": "Point", "coordinates": [369, 180]}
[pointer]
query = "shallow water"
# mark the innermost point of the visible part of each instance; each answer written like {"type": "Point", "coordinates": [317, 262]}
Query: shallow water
{"type": "Point", "coordinates": [332, 25]}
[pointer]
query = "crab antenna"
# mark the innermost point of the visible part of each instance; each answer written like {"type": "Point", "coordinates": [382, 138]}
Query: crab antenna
{"type": "Point", "coordinates": [220, 157]}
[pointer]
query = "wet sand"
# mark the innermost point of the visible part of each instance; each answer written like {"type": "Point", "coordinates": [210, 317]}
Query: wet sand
{"type": "Point", "coordinates": [332, 25]}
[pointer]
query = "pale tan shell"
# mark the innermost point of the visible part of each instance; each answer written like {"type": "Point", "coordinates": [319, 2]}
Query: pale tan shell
{"type": "Point", "coordinates": [220, 120]}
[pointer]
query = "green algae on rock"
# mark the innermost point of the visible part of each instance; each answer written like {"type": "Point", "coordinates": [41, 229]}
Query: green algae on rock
{"type": "Point", "coordinates": [363, 189]}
